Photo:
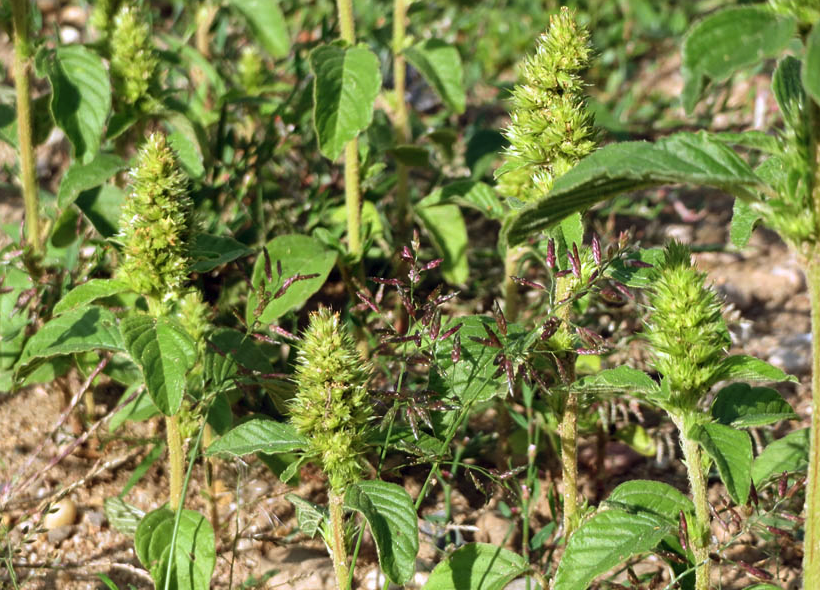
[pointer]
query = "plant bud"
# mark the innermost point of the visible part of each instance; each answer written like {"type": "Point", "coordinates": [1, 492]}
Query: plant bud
{"type": "Point", "coordinates": [133, 57]}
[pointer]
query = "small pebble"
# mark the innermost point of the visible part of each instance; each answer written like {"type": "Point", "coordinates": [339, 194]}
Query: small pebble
{"type": "Point", "coordinates": [69, 35]}
{"type": "Point", "coordinates": [96, 518]}
{"type": "Point", "coordinates": [73, 15]}
{"type": "Point", "coordinates": [61, 514]}
{"type": "Point", "coordinates": [59, 534]}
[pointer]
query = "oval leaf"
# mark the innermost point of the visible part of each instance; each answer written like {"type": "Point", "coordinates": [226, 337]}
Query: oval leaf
{"type": "Point", "coordinates": [811, 64]}
{"type": "Point", "coordinates": [80, 177]}
{"type": "Point", "coordinates": [654, 497]}
{"type": "Point", "coordinates": [165, 353]}
{"type": "Point", "coordinates": [267, 23]}
{"type": "Point", "coordinates": [748, 368]}
{"type": "Point", "coordinates": [731, 450]}
{"type": "Point", "coordinates": [81, 97]}
{"type": "Point", "coordinates": [607, 539]}
{"type": "Point", "coordinates": [440, 64]}
{"type": "Point", "coordinates": [258, 435]}
{"type": "Point", "coordinates": [790, 453]}
{"type": "Point", "coordinates": [210, 251]}
{"type": "Point", "coordinates": [389, 512]}
{"type": "Point", "coordinates": [344, 90]}
{"type": "Point", "coordinates": [477, 566]}
{"type": "Point", "coordinates": [89, 291]}
{"type": "Point", "coordinates": [448, 232]}
{"type": "Point", "coordinates": [742, 406]}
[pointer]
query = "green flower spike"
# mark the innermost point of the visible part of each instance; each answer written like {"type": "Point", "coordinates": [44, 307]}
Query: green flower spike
{"type": "Point", "coordinates": [687, 333]}
{"type": "Point", "coordinates": [102, 16]}
{"type": "Point", "coordinates": [133, 58]}
{"type": "Point", "coordinates": [551, 129]}
{"type": "Point", "coordinates": [332, 407]}
{"type": "Point", "coordinates": [156, 224]}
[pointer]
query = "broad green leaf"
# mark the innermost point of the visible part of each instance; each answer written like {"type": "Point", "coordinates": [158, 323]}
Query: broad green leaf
{"type": "Point", "coordinates": [607, 539]}
{"type": "Point", "coordinates": [308, 515]}
{"type": "Point", "coordinates": [165, 353]}
{"type": "Point", "coordinates": [741, 367]}
{"type": "Point", "coordinates": [123, 516]}
{"type": "Point", "coordinates": [743, 222]}
{"type": "Point", "coordinates": [477, 566]}
{"type": "Point", "coordinates": [298, 255]}
{"type": "Point", "coordinates": [788, 90]}
{"type": "Point", "coordinates": [80, 177]}
{"type": "Point", "coordinates": [347, 80]}
{"type": "Point", "coordinates": [790, 453]}
{"type": "Point", "coordinates": [209, 251]}
{"type": "Point", "coordinates": [811, 64]}
{"type": "Point", "coordinates": [267, 23]}
{"type": "Point", "coordinates": [230, 349]}
{"type": "Point", "coordinates": [640, 276]}
{"type": "Point", "coordinates": [81, 97]}
{"type": "Point", "coordinates": [258, 435]}
{"type": "Point", "coordinates": [731, 450]}
{"type": "Point", "coordinates": [440, 64]}
{"type": "Point", "coordinates": [89, 291]}
{"type": "Point", "coordinates": [448, 232]}
{"type": "Point", "coordinates": [621, 379]}
{"type": "Point", "coordinates": [469, 193]}
{"type": "Point", "coordinates": [654, 497]}
{"type": "Point", "coordinates": [727, 40]}
{"type": "Point", "coordinates": [742, 406]}
{"type": "Point", "coordinates": [389, 511]}
{"type": "Point", "coordinates": [752, 139]}
{"type": "Point", "coordinates": [189, 153]}
{"type": "Point", "coordinates": [471, 379]}
{"type": "Point", "coordinates": [194, 553]}
{"type": "Point", "coordinates": [689, 158]}
{"type": "Point", "coordinates": [102, 206]}
{"type": "Point", "coordinates": [411, 155]}
{"type": "Point", "coordinates": [80, 330]}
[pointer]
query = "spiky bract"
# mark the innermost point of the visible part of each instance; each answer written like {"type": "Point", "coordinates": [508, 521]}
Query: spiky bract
{"type": "Point", "coordinates": [332, 407]}
{"type": "Point", "coordinates": [133, 58]}
{"type": "Point", "coordinates": [156, 224]}
{"type": "Point", "coordinates": [551, 129]}
{"type": "Point", "coordinates": [686, 331]}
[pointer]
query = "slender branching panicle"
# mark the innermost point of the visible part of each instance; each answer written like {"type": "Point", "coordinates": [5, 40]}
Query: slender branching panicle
{"type": "Point", "coordinates": [551, 129]}
{"type": "Point", "coordinates": [686, 331]}
{"type": "Point", "coordinates": [156, 224]}
{"type": "Point", "coordinates": [332, 408]}
{"type": "Point", "coordinates": [133, 58]}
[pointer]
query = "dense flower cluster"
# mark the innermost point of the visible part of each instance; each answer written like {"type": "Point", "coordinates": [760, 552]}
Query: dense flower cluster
{"type": "Point", "coordinates": [550, 128]}
{"type": "Point", "coordinates": [156, 224]}
{"type": "Point", "coordinates": [332, 408]}
{"type": "Point", "coordinates": [133, 58]}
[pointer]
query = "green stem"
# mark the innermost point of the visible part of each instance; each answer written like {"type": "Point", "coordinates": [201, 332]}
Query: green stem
{"type": "Point", "coordinates": [353, 199]}
{"type": "Point", "coordinates": [345, 11]}
{"type": "Point", "coordinates": [699, 535]}
{"type": "Point", "coordinates": [402, 121]}
{"type": "Point", "coordinates": [568, 432]}
{"type": "Point", "coordinates": [176, 461]}
{"type": "Point", "coordinates": [28, 179]}
{"type": "Point", "coordinates": [337, 529]}
{"type": "Point", "coordinates": [811, 549]}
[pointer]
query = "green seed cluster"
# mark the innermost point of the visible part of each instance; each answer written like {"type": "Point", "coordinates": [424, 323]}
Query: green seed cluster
{"type": "Point", "coordinates": [102, 16]}
{"type": "Point", "coordinates": [156, 224]}
{"type": "Point", "coordinates": [686, 331]}
{"type": "Point", "coordinates": [133, 58]}
{"type": "Point", "coordinates": [251, 69]}
{"type": "Point", "coordinates": [550, 128]}
{"type": "Point", "coordinates": [332, 408]}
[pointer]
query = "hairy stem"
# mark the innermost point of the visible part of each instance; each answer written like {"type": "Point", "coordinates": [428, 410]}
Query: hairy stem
{"type": "Point", "coordinates": [568, 431]}
{"type": "Point", "coordinates": [28, 179]}
{"type": "Point", "coordinates": [811, 549]}
{"type": "Point", "coordinates": [176, 461]}
{"type": "Point", "coordinates": [700, 534]}
{"type": "Point", "coordinates": [337, 530]}
{"type": "Point", "coordinates": [402, 122]}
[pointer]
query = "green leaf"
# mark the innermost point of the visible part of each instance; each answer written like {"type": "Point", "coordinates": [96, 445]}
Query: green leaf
{"type": "Point", "coordinates": [731, 450]}
{"type": "Point", "coordinates": [411, 155]}
{"type": "Point", "coordinates": [747, 368]}
{"type": "Point", "coordinates": [267, 23]}
{"type": "Point", "coordinates": [607, 539]}
{"type": "Point", "coordinates": [440, 65]}
{"type": "Point", "coordinates": [209, 251]}
{"type": "Point", "coordinates": [742, 406]}
{"type": "Point", "coordinates": [743, 223]}
{"type": "Point", "coordinates": [471, 378]}
{"type": "Point", "coordinates": [80, 177]}
{"type": "Point", "coordinates": [102, 206]}
{"type": "Point", "coordinates": [811, 64]}
{"type": "Point", "coordinates": [654, 497]}
{"type": "Point", "coordinates": [344, 90]}
{"type": "Point", "coordinates": [688, 158]}
{"type": "Point", "coordinates": [189, 153]}
{"type": "Point", "coordinates": [230, 349]}
{"type": "Point", "coordinates": [448, 232]}
{"type": "Point", "coordinates": [728, 40]}
{"type": "Point", "coordinates": [477, 566]}
{"type": "Point", "coordinates": [788, 90]}
{"type": "Point", "coordinates": [468, 193]}
{"type": "Point", "coordinates": [638, 276]}
{"type": "Point", "coordinates": [81, 97]}
{"type": "Point", "coordinates": [389, 511]}
{"type": "Point", "coordinates": [308, 515]}
{"type": "Point", "coordinates": [790, 453]}
{"type": "Point", "coordinates": [89, 291]}
{"type": "Point", "coordinates": [80, 330]}
{"type": "Point", "coordinates": [622, 379]}
{"type": "Point", "coordinates": [258, 435]}
{"type": "Point", "coordinates": [138, 409]}
{"type": "Point", "coordinates": [165, 353]}
{"type": "Point", "coordinates": [123, 516]}
{"type": "Point", "coordinates": [298, 254]}
{"type": "Point", "coordinates": [194, 553]}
